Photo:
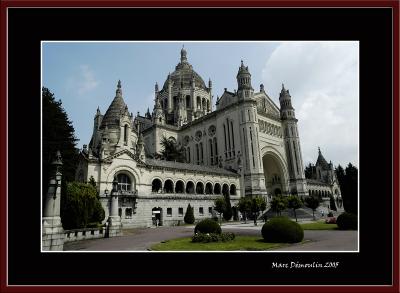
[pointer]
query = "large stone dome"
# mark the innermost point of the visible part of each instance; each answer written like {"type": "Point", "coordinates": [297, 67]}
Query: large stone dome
{"type": "Point", "coordinates": [184, 74]}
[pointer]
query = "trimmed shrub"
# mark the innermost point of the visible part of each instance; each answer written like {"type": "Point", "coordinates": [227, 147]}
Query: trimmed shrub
{"type": "Point", "coordinates": [207, 226]}
{"type": "Point", "coordinates": [213, 237]}
{"type": "Point", "coordinates": [347, 221]}
{"type": "Point", "coordinates": [282, 230]}
{"type": "Point", "coordinates": [189, 216]}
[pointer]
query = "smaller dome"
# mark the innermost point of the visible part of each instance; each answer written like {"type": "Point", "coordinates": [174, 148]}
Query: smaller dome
{"type": "Point", "coordinates": [115, 110]}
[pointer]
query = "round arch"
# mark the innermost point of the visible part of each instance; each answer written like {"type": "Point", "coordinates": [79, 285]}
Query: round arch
{"type": "Point", "coordinates": [217, 188]}
{"type": "Point", "coordinates": [275, 170]}
{"type": "Point", "coordinates": [168, 186]}
{"type": "Point", "coordinates": [232, 189]}
{"type": "Point", "coordinates": [199, 188]}
{"type": "Point", "coordinates": [189, 187]}
{"type": "Point", "coordinates": [122, 168]}
{"type": "Point", "coordinates": [179, 186]}
{"type": "Point", "coordinates": [209, 188]}
{"type": "Point", "coordinates": [225, 189]}
{"type": "Point", "coordinates": [156, 185]}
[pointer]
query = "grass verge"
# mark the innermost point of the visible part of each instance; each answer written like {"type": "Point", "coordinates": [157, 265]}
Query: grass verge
{"type": "Point", "coordinates": [243, 243]}
{"type": "Point", "coordinates": [319, 226]}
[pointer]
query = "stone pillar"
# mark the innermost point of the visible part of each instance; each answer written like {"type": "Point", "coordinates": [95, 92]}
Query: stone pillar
{"type": "Point", "coordinates": [114, 220]}
{"type": "Point", "coordinates": [52, 230]}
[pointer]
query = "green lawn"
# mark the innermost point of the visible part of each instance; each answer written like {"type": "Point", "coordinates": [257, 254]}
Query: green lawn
{"type": "Point", "coordinates": [240, 243]}
{"type": "Point", "coordinates": [320, 225]}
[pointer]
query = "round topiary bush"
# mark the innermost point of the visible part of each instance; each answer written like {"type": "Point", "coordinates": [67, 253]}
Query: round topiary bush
{"type": "Point", "coordinates": [282, 230]}
{"type": "Point", "coordinates": [347, 221]}
{"type": "Point", "coordinates": [207, 226]}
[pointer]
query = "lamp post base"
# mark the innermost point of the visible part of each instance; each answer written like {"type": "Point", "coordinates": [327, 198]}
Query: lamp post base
{"type": "Point", "coordinates": [52, 234]}
{"type": "Point", "coordinates": [114, 226]}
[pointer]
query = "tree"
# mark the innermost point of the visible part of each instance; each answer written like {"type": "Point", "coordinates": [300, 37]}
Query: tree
{"type": "Point", "coordinates": [219, 206]}
{"type": "Point", "coordinates": [228, 207]}
{"type": "Point", "coordinates": [171, 151]}
{"type": "Point", "coordinates": [58, 134]}
{"type": "Point", "coordinates": [294, 203]}
{"type": "Point", "coordinates": [350, 200]}
{"type": "Point", "coordinates": [278, 204]}
{"type": "Point", "coordinates": [244, 206]}
{"type": "Point", "coordinates": [263, 207]}
{"type": "Point", "coordinates": [80, 206]}
{"type": "Point", "coordinates": [92, 181]}
{"type": "Point", "coordinates": [189, 215]}
{"type": "Point", "coordinates": [256, 202]}
{"type": "Point", "coordinates": [332, 204]}
{"type": "Point", "coordinates": [313, 203]}
{"type": "Point", "coordinates": [348, 181]}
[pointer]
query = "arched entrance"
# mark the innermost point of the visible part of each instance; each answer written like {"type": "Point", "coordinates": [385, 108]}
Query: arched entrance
{"type": "Point", "coordinates": [274, 173]}
{"type": "Point", "coordinates": [156, 216]}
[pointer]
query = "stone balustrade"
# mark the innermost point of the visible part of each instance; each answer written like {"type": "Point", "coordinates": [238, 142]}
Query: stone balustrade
{"type": "Point", "coordinates": [84, 234]}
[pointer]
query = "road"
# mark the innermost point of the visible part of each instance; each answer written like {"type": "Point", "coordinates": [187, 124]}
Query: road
{"type": "Point", "coordinates": [143, 239]}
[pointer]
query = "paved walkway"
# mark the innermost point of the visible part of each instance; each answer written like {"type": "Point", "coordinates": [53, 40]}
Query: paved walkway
{"type": "Point", "coordinates": [143, 239]}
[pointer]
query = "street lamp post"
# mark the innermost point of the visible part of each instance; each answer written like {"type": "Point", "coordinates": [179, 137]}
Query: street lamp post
{"type": "Point", "coordinates": [114, 220]}
{"type": "Point", "coordinates": [52, 231]}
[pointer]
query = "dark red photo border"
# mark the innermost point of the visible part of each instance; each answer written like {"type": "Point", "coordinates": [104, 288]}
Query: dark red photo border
{"type": "Point", "coordinates": [205, 3]}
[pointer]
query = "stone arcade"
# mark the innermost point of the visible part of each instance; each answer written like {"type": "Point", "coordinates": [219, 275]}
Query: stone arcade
{"type": "Point", "coordinates": [247, 146]}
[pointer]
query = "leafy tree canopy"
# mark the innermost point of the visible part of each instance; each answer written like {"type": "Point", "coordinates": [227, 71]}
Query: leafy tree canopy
{"type": "Point", "coordinates": [171, 151]}
{"type": "Point", "coordinates": [58, 134]}
{"type": "Point", "coordinates": [80, 206]}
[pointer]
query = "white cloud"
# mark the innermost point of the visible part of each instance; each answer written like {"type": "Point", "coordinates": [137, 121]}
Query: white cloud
{"type": "Point", "coordinates": [87, 81]}
{"type": "Point", "coordinates": [323, 81]}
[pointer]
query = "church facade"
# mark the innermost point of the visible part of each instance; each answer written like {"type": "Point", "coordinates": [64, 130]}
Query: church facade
{"type": "Point", "coordinates": [246, 146]}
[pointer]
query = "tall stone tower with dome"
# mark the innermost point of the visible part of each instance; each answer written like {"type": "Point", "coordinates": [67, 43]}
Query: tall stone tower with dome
{"type": "Point", "coordinates": [246, 146]}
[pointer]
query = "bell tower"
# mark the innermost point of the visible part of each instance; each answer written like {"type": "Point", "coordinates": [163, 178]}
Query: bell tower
{"type": "Point", "coordinates": [297, 182]}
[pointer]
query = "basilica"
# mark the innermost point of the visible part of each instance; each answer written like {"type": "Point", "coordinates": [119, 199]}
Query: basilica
{"type": "Point", "coordinates": [245, 146]}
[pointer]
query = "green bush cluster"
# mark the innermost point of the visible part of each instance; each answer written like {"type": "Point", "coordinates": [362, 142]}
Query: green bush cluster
{"type": "Point", "coordinates": [213, 237]}
{"type": "Point", "coordinates": [347, 221]}
{"type": "Point", "coordinates": [282, 230]}
{"type": "Point", "coordinates": [81, 207]}
{"type": "Point", "coordinates": [207, 226]}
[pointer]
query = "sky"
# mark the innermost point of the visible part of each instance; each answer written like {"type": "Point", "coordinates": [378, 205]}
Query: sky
{"type": "Point", "coordinates": [322, 77]}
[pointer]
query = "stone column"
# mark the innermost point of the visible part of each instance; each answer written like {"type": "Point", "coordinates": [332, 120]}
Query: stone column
{"type": "Point", "coordinates": [52, 230]}
{"type": "Point", "coordinates": [114, 220]}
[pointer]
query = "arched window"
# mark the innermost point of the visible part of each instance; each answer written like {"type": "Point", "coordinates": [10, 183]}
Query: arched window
{"type": "Point", "coordinates": [168, 186]}
{"type": "Point", "coordinates": [209, 188]}
{"type": "Point", "coordinates": [187, 101]}
{"type": "Point", "coordinates": [225, 189]}
{"type": "Point", "coordinates": [174, 101]}
{"type": "Point", "coordinates": [156, 185]}
{"type": "Point", "coordinates": [211, 152]}
{"type": "Point", "coordinates": [124, 182]}
{"type": "Point", "coordinates": [179, 187]}
{"type": "Point", "coordinates": [198, 103]}
{"type": "Point", "coordinates": [197, 155]}
{"type": "Point", "coordinates": [188, 155]}
{"type": "Point", "coordinates": [233, 189]}
{"type": "Point", "coordinates": [216, 150]}
{"type": "Point", "coordinates": [217, 188]}
{"type": "Point", "coordinates": [201, 153]}
{"type": "Point", "coordinates": [199, 188]}
{"type": "Point", "coordinates": [233, 138]}
{"type": "Point", "coordinates": [190, 187]}
{"type": "Point", "coordinates": [125, 133]}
